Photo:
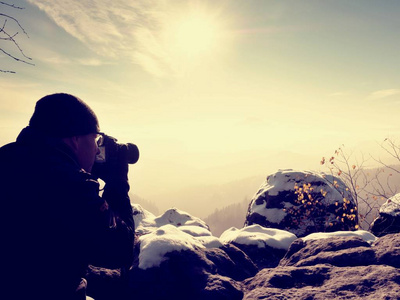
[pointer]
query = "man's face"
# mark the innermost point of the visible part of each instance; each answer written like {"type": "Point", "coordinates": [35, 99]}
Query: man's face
{"type": "Point", "coordinates": [87, 151]}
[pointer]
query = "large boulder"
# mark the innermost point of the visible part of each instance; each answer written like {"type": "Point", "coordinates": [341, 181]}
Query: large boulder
{"type": "Point", "coordinates": [388, 220]}
{"type": "Point", "coordinates": [303, 202]}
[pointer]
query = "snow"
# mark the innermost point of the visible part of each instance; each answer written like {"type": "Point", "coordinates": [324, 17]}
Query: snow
{"type": "Point", "coordinates": [391, 206]}
{"type": "Point", "coordinates": [274, 215]}
{"type": "Point", "coordinates": [365, 235]}
{"type": "Point", "coordinates": [178, 217]}
{"type": "Point", "coordinates": [167, 238]}
{"type": "Point", "coordinates": [195, 230]}
{"type": "Point", "coordinates": [174, 230]}
{"type": "Point", "coordinates": [146, 222]}
{"type": "Point", "coordinates": [259, 236]}
{"type": "Point", "coordinates": [209, 241]}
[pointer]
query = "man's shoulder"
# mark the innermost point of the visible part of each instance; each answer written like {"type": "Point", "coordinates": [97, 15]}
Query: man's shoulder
{"type": "Point", "coordinates": [8, 148]}
{"type": "Point", "coordinates": [15, 152]}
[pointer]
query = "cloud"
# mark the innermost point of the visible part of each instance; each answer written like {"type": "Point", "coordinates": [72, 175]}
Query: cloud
{"type": "Point", "coordinates": [116, 29]}
{"type": "Point", "coordinates": [384, 93]}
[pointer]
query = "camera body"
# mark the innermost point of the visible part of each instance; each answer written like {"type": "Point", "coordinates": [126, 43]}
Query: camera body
{"type": "Point", "coordinates": [111, 151]}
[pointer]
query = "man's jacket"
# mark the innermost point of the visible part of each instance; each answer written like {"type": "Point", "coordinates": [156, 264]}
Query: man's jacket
{"type": "Point", "coordinates": [53, 222]}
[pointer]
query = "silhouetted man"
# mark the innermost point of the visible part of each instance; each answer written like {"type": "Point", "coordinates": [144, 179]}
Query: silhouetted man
{"type": "Point", "coordinates": [54, 223]}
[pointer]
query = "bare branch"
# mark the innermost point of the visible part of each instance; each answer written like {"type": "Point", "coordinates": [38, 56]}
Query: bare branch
{"type": "Point", "coordinates": [10, 38]}
{"type": "Point", "coordinates": [11, 5]}
{"type": "Point", "coordinates": [366, 190]}
{"type": "Point", "coordinates": [7, 36]}
{"type": "Point", "coordinates": [5, 71]}
{"type": "Point", "coordinates": [16, 58]}
{"type": "Point", "coordinates": [16, 21]}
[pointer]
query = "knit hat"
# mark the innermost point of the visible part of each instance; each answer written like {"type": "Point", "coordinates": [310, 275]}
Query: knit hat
{"type": "Point", "coordinates": [63, 115]}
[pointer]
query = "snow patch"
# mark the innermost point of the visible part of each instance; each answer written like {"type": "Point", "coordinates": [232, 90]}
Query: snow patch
{"type": "Point", "coordinates": [195, 230]}
{"type": "Point", "coordinates": [259, 236]}
{"type": "Point", "coordinates": [178, 217]}
{"type": "Point", "coordinates": [209, 241]}
{"type": "Point", "coordinates": [274, 215]}
{"type": "Point", "coordinates": [365, 235]}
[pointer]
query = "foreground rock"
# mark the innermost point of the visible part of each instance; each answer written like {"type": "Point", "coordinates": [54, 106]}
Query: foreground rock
{"type": "Point", "coordinates": [325, 282]}
{"type": "Point", "coordinates": [341, 267]}
{"type": "Point", "coordinates": [187, 275]}
{"type": "Point", "coordinates": [337, 249]}
{"type": "Point", "coordinates": [388, 220]}
{"type": "Point", "coordinates": [303, 202]}
{"type": "Point", "coordinates": [177, 258]}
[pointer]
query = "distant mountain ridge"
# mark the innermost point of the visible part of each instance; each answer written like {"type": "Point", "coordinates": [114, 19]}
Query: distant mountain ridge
{"type": "Point", "coordinates": [202, 200]}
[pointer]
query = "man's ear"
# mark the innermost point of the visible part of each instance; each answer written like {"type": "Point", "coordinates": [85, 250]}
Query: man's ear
{"type": "Point", "coordinates": [72, 142]}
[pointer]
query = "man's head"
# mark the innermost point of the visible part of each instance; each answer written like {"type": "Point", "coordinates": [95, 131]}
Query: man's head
{"type": "Point", "coordinates": [67, 117]}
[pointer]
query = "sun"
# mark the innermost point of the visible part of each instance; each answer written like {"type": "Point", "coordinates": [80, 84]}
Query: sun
{"type": "Point", "coordinates": [195, 35]}
{"type": "Point", "coordinates": [192, 35]}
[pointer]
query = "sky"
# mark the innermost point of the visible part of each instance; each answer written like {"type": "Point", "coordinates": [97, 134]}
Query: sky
{"type": "Point", "coordinates": [212, 91]}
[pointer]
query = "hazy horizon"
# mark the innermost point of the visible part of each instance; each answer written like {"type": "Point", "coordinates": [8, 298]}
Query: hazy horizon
{"type": "Point", "coordinates": [213, 91]}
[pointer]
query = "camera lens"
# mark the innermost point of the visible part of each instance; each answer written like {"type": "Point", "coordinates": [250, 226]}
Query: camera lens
{"type": "Point", "coordinates": [130, 152]}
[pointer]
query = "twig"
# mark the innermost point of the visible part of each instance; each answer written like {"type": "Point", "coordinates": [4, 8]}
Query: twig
{"type": "Point", "coordinates": [16, 58]}
{"type": "Point", "coordinates": [16, 21]}
{"type": "Point", "coordinates": [11, 5]}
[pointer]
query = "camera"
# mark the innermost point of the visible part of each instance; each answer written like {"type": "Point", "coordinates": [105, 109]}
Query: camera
{"type": "Point", "coordinates": [111, 151]}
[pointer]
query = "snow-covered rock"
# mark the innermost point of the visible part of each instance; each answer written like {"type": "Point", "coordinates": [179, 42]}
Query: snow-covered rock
{"type": "Point", "coordinates": [154, 246]}
{"type": "Point", "coordinates": [388, 220]}
{"type": "Point", "coordinates": [178, 217]}
{"type": "Point", "coordinates": [303, 202]}
{"type": "Point", "coordinates": [391, 206]}
{"type": "Point", "coordinates": [178, 258]}
{"type": "Point", "coordinates": [173, 264]}
{"type": "Point", "coordinates": [146, 222]}
{"type": "Point", "coordinates": [265, 246]}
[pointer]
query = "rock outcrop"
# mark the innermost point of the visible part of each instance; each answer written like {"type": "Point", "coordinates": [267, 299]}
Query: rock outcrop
{"type": "Point", "coordinates": [338, 265]}
{"type": "Point", "coordinates": [325, 282]}
{"type": "Point", "coordinates": [333, 268]}
{"type": "Point", "coordinates": [303, 202]}
{"type": "Point", "coordinates": [388, 220]}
